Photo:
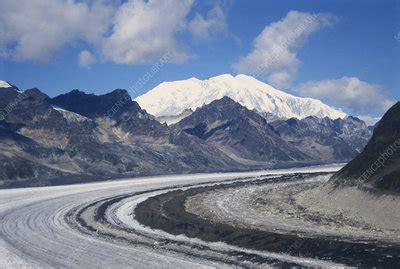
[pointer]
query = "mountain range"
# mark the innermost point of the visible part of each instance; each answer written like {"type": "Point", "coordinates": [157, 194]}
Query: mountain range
{"type": "Point", "coordinates": [324, 138]}
{"type": "Point", "coordinates": [78, 137]}
{"type": "Point", "coordinates": [42, 141]}
{"type": "Point", "coordinates": [173, 98]}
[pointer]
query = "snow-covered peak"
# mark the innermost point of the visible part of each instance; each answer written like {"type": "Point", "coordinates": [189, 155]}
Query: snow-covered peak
{"type": "Point", "coordinates": [172, 98]}
{"type": "Point", "coordinates": [4, 84]}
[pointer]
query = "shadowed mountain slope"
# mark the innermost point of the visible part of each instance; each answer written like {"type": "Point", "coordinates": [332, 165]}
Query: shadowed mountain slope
{"type": "Point", "coordinates": [379, 163]}
{"type": "Point", "coordinates": [325, 139]}
{"type": "Point", "coordinates": [239, 132]}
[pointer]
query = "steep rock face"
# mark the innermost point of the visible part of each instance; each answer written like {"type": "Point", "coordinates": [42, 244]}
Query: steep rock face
{"type": "Point", "coordinates": [172, 98]}
{"type": "Point", "coordinates": [9, 98]}
{"type": "Point", "coordinates": [379, 163]}
{"type": "Point", "coordinates": [53, 137]}
{"type": "Point", "coordinates": [353, 131]}
{"type": "Point", "coordinates": [239, 132]}
{"type": "Point", "coordinates": [325, 139]}
{"type": "Point", "coordinates": [22, 156]}
{"type": "Point", "coordinates": [16, 162]}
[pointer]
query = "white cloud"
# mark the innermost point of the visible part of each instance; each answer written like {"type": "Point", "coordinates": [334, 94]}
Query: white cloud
{"type": "Point", "coordinates": [370, 121]}
{"type": "Point", "coordinates": [85, 59]}
{"type": "Point", "coordinates": [280, 78]}
{"type": "Point", "coordinates": [144, 31]}
{"type": "Point", "coordinates": [275, 50]}
{"type": "Point", "coordinates": [350, 93]}
{"type": "Point", "coordinates": [35, 30]}
{"type": "Point", "coordinates": [127, 32]}
{"type": "Point", "coordinates": [209, 26]}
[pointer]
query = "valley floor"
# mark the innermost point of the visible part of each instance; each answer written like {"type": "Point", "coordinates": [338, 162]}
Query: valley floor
{"type": "Point", "coordinates": [100, 225]}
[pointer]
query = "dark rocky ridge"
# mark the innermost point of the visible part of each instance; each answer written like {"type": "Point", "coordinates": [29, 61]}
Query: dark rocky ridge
{"type": "Point", "coordinates": [245, 133]}
{"type": "Point", "coordinates": [336, 140]}
{"type": "Point", "coordinates": [92, 106]}
{"type": "Point", "coordinates": [116, 105]}
{"type": "Point", "coordinates": [378, 165]}
{"type": "Point", "coordinates": [239, 132]}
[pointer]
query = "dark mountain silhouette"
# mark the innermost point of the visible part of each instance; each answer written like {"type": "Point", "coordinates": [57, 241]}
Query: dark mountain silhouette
{"type": "Point", "coordinates": [378, 165]}
{"type": "Point", "coordinates": [239, 132]}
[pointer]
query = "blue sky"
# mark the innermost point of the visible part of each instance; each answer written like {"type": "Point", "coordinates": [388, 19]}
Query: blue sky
{"type": "Point", "coordinates": [349, 49]}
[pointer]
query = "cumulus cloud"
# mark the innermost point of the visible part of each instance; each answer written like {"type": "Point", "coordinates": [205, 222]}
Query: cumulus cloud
{"type": "Point", "coordinates": [143, 31]}
{"type": "Point", "coordinates": [127, 32]}
{"type": "Point", "coordinates": [85, 59]}
{"type": "Point", "coordinates": [350, 93]}
{"type": "Point", "coordinates": [274, 53]}
{"type": "Point", "coordinates": [35, 30]}
{"type": "Point", "coordinates": [209, 26]}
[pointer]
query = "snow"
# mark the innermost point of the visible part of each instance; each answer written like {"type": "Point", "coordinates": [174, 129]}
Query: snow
{"type": "Point", "coordinates": [71, 116]}
{"type": "Point", "coordinates": [4, 84]}
{"type": "Point", "coordinates": [172, 98]}
{"type": "Point", "coordinates": [169, 120]}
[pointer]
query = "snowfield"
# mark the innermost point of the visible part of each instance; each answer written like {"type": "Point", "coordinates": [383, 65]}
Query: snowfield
{"type": "Point", "coordinates": [42, 227]}
{"type": "Point", "coordinates": [4, 84]}
{"type": "Point", "coordinates": [173, 98]}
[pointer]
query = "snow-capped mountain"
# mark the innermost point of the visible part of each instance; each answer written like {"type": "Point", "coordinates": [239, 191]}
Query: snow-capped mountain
{"type": "Point", "coordinates": [4, 84]}
{"type": "Point", "coordinates": [172, 98]}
